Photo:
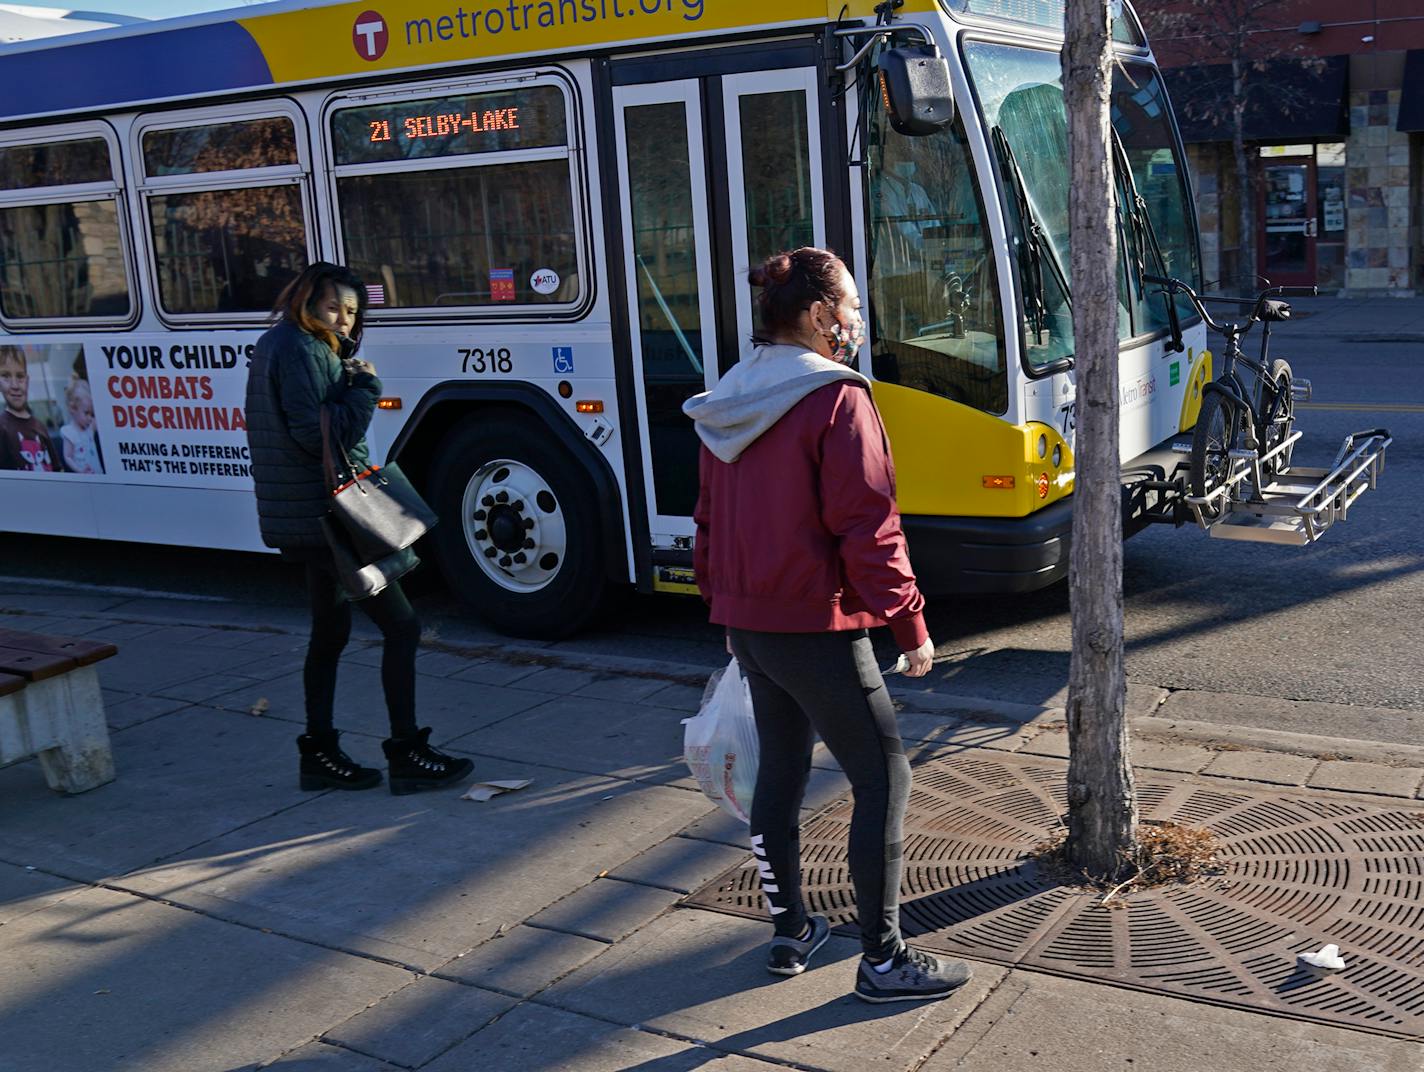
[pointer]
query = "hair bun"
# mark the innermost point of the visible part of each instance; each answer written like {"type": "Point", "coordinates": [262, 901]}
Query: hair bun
{"type": "Point", "coordinates": [774, 271]}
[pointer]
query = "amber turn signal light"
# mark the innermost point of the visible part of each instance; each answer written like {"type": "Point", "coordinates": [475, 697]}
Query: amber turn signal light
{"type": "Point", "coordinates": [1000, 482]}
{"type": "Point", "coordinates": [388, 403]}
{"type": "Point", "coordinates": [587, 406]}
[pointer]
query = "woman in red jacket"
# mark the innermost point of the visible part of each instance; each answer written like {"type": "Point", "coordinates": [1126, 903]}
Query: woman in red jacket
{"type": "Point", "coordinates": [799, 552]}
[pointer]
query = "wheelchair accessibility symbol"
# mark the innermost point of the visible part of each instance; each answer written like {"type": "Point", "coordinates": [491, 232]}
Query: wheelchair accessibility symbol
{"type": "Point", "coordinates": [563, 359]}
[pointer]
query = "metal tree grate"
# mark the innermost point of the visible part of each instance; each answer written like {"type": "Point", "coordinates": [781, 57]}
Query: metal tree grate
{"type": "Point", "coordinates": [1301, 871]}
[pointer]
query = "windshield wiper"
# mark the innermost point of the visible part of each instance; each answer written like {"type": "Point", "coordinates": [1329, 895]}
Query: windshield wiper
{"type": "Point", "coordinates": [1035, 241]}
{"type": "Point", "coordinates": [1141, 233]}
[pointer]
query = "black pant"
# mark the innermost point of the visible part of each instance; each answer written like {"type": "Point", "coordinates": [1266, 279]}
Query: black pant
{"type": "Point", "coordinates": [331, 629]}
{"type": "Point", "coordinates": [804, 684]}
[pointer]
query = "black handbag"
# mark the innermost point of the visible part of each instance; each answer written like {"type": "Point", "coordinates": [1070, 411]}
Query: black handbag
{"type": "Point", "coordinates": [378, 510]}
{"type": "Point", "coordinates": [360, 579]}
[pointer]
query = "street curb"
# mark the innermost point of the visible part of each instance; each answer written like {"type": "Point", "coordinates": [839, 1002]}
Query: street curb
{"type": "Point", "coordinates": [1301, 744]}
{"type": "Point", "coordinates": [936, 703]}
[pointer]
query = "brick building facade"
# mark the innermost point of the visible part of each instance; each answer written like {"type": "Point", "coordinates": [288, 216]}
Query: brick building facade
{"type": "Point", "coordinates": [1335, 145]}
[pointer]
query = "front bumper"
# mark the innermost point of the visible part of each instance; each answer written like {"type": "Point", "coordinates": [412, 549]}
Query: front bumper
{"type": "Point", "coordinates": [981, 555]}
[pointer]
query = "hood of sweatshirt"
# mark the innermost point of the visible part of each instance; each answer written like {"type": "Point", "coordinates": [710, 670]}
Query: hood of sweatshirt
{"type": "Point", "coordinates": [756, 393]}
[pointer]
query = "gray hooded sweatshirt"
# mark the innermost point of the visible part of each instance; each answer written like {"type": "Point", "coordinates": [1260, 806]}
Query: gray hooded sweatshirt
{"type": "Point", "coordinates": [758, 392]}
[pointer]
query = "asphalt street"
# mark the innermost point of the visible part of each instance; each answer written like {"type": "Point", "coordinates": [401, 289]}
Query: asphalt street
{"type": "Point", "coordinates": [1336, 622]}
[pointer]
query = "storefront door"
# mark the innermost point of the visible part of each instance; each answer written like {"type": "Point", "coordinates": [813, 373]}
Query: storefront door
{"type": "Point", "coordinates": [1289, 223]}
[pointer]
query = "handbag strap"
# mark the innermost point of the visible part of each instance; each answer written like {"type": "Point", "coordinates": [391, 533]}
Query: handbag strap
{"type": "Point", "coordinates": [327, 461]}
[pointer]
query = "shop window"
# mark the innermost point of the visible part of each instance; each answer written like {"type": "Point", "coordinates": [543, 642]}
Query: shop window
{"type": "Point", "coordinates": [1330, 204]}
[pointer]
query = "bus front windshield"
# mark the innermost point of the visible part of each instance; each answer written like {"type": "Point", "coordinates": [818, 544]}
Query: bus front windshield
{"type": "Point", "coordinates": [1020, 93]}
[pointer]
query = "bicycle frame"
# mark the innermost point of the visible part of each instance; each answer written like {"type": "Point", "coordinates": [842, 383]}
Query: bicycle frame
{"type": "Point", "coordinates": [1253, 405]}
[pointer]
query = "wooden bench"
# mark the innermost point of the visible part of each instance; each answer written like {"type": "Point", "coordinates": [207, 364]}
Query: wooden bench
{"type": "Point", "coordinates": [51, 707]}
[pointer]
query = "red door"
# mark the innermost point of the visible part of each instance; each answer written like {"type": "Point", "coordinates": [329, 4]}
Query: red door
{"type": "Point", "coordinates": [1288, 222]}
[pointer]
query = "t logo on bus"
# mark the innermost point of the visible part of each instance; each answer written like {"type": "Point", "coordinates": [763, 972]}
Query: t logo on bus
{"type": "Point", "coordinates": [370, 35]}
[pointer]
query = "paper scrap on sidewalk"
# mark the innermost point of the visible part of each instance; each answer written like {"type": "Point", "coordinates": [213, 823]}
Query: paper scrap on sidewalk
{"type": "Point", "coordinates": [483, 791]}
{"type": "Point", "coordinates": [260, 707]}
{"type": "Point", "coordinates": [1327, 957]}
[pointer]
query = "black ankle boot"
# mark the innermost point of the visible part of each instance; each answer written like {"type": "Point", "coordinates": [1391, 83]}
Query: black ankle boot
{"type": "Point", "coordinates": [326, 766]}
{"type": "Point", "coordinates": [414, 765]}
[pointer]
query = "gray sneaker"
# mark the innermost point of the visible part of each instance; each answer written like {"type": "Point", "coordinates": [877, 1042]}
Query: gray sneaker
{"type": "Point", "coordinates": [914, 976]}
{"type": "Point", "coordinates": [790, 956]}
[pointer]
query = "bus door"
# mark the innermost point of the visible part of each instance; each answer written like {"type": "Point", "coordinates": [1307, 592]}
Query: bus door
{"type": "Point", "coordinates": [716, 172]}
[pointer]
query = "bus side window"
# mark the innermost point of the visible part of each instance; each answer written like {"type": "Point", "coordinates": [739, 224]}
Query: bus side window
{"type": "Point", "coordinates": [460, 200]}
{"type": "Point", "coordinates": [63, 249]}
{"type": "Point", "coordinates": [225, 206]}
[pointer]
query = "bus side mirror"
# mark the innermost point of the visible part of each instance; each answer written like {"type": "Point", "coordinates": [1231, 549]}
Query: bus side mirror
{"type": "Point", "coordinates": [914, 84]}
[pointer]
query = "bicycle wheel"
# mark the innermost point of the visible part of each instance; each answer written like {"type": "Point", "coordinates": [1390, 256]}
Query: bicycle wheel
{"type": "Point", "coordinates": [1280, 418]}
{"type": "Point", "coordinates": [1212, 441]}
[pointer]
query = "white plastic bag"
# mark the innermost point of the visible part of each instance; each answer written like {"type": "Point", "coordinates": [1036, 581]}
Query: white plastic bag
{"type": "Point", "coordinates": [720, 744]}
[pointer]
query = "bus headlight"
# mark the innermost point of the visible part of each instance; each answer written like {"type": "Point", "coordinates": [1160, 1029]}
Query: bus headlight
{"type": "Point", "coordinates": [1057, 455]}
{"type": "Point", "coordinates": [1043, 447]}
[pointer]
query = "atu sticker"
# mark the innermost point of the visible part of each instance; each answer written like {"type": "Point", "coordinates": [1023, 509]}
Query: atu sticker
{"type": "Point", "coordinates": [545, 281]}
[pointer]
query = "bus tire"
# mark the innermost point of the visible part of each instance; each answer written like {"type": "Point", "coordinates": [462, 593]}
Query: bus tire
{"type": "Point", "coordinates": [519, 538]}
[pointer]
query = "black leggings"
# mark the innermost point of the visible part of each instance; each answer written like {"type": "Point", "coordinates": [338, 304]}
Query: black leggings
{"type": "Point", "coordinates": [804, 684]}
{"type": "Point", "coordinates": [331, 629]}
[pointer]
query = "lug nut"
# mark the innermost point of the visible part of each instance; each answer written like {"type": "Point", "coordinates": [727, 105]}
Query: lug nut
{"type": "Point", "coordinates": [521, 557]}
{"type": "Point", "coordinates": [480, 515]}
{"type": "Point", "coordinates": [487, 501]}
{"type": "Point", "coordinates": [501, 496]}
{"type": "Point", "coordinates": [519, 506]}
{"type": "Point", "coordinates": [528, 523]}
{"type": "Point", "coordinates": [528, 545]}
{"type": "Point", "coordinates": [506, 561]}
{"type": "Point", "coordinates": [490, 552]}
{"type": "Point", "coordinates": [481, 534]}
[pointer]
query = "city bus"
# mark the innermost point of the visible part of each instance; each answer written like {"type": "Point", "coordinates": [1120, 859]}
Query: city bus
{"type": "Point", "coordinates": [553, 206]}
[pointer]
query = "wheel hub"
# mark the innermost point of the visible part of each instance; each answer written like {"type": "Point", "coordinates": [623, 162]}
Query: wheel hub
{"type": "Point", "coordinates": [506, 528]}
{"type": "Point", "coordinates": [514, 526]}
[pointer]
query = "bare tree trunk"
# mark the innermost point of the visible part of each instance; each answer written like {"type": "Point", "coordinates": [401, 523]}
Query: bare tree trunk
{"type": "Point", "coordinates": [1102, 809]}
{"type": "Point", "coordinates": [1245, 193]}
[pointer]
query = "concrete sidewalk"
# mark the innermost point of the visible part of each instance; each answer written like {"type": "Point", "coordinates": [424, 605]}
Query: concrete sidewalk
{"type": "Point", "coordinates": [201, 913]}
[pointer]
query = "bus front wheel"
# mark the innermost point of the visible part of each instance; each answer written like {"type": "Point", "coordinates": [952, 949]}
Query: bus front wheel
{"type": "Point", "coordinates": [518, 538]}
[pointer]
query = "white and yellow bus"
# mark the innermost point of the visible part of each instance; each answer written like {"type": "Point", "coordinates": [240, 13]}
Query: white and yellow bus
{"type": "Point", "coordinates": [554, 205]}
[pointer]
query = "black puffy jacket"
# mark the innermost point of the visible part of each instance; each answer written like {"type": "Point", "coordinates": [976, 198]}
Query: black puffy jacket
{"type": "Point", "coordinates": [292, 375]}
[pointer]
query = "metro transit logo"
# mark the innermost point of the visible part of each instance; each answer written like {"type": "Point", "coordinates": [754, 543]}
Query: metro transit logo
{"type": "Point", "coordinates": [370, 35]}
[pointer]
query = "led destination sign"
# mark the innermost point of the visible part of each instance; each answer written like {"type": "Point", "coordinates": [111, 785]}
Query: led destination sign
{"type": "Point", "coordinates": [530, 118]}
{"type": "Point", "coordinates": [442, 126]}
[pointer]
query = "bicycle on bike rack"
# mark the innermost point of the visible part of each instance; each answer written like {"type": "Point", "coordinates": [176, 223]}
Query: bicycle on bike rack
{"type": "Point", "coordinates": [1240, 480]}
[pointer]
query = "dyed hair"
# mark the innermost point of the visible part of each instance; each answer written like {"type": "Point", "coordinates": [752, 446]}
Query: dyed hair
{"type": "Point", "coordinates": [791, 282]}
{"type": "Point", "coordinates": [299, 298]}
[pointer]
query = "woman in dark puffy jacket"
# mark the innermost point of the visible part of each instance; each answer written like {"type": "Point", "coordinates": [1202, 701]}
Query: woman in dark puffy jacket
{"type": "Point", "coordinates": [799, 552]}
{"type": "Point", "coordinates": [303, 365]}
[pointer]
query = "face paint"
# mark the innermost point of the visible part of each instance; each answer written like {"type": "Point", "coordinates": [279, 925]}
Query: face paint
{"type": "Point", "coordinates": [846, 341]}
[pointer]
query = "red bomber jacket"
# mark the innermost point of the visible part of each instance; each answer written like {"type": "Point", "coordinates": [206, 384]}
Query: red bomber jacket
{"type": "Point", "coordinates": [801, 533]}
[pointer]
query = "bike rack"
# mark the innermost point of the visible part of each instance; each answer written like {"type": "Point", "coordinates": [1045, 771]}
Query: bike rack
{"type": "Point", "coordinates": [1299, 503]}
